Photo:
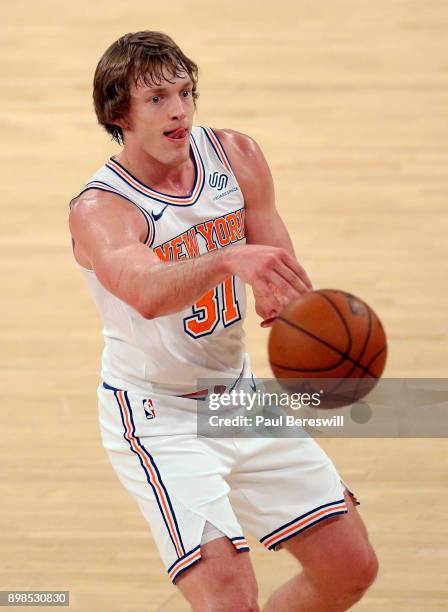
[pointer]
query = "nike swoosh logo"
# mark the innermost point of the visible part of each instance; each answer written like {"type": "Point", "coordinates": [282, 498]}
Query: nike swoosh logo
{"type": "Point", "coordinates": [156, 216]}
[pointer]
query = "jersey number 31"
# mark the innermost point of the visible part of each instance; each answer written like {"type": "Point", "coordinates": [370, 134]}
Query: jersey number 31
{"type": "Point", "coordinates": [218, 303]}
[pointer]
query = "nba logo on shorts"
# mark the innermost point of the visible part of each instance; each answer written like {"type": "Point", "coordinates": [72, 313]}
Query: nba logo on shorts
{"type": "Point", "coordinates": [148, 407]}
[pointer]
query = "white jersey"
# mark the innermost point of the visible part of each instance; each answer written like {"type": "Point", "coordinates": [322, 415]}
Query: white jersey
{"type": "Point", "coordinates": [206, 340]}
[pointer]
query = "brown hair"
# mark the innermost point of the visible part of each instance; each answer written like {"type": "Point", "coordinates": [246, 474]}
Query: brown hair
{"type": "Point", "coordinates": [152, 57]}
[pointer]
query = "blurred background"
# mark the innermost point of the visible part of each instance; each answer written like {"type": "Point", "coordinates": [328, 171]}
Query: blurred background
{"type": "Point", "coordinates": [349, 102]}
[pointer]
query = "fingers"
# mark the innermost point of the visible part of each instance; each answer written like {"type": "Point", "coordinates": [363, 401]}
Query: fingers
{"type": "Point", "coordinates": [268, 322]}
{"type": "Point", "coordinates": [298, 271]}
{"type": "Point", "coordinates": [287, 275]}
{"type": "Point", "coordinates": [267, 303]}
{"type": "Point", "coordinates": [279, 280]}
{"type": "Point", "coordinates": [286, 279]}
{"type": "Point", "coordinates": [270, 296]}
{"type": "Point", "coordinates": [286, 285]}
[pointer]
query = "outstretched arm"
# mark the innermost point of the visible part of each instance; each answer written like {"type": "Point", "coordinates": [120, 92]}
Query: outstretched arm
{"type": "Point", "coordinates": [108, 234]}
{"type": "Point", "coordinates": [264, 225]}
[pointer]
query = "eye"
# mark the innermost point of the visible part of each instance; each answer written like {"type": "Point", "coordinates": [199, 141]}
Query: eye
{"type": "Point", "coordinates": [155, 99]}
{"type": "Point", "coordinates": [186, 93]}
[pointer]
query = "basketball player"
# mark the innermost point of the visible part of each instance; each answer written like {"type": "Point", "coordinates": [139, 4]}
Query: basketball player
{"type": "Point", "coordinates": [167, 234]}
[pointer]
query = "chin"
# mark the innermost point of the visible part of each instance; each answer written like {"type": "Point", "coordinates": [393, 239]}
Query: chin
{"type": "Point", "coordinates": [182, 154]}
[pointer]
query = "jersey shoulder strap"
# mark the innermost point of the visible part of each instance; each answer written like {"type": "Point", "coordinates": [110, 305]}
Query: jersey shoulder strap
{"type": "Point", "coordinates": [102, 180]}
{"type": "Point", "coordinates": [209, 140]}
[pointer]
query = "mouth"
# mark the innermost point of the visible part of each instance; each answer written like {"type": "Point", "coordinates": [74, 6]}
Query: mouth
{"type": "Point", "coordinates": [177, 135]}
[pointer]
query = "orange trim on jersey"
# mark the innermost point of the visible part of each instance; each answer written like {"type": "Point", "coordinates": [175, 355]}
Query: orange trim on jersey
{"type": "Point", "coordinates": [135, 447]}
{"type": "Point", "coordinates": [219, 149]}
{"type": "Point", "coordinates": [195, 555]}
{"type": "Point", "coordinates": [162, 197]}
{"type": "Point", "coordinates": [149, 220]}
{"type": "Point", "coordinates": [300, 525]}
{"type": "Point", "coordinates": [182, 565]}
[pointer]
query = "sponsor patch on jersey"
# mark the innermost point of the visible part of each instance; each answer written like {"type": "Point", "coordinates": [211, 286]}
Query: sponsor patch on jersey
{"type": "Point", "coordinates": [218, 180]}
{"type": "Point", "coordinates": [225, 193]}
{"type": "Point", "coordinates": [148, 407]}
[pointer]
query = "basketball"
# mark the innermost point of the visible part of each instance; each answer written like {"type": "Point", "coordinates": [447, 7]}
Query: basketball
{"type": "Point", "coordinates": [332, 336]}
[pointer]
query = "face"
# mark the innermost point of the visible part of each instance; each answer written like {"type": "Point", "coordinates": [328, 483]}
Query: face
{"type": "Point", "coordinates": [160, 119]}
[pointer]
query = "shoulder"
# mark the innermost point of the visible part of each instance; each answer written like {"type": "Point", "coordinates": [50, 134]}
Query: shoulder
{"type": "Point", "coordinates": [100, 211]}
{"type": "Point", "coordinates": [246, 157]}
{"type": "Point", "coordinates": [237, 144]}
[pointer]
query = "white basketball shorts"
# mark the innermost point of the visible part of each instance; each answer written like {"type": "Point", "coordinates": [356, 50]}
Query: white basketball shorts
{"type": "Point", "coordinates": [272, 488]}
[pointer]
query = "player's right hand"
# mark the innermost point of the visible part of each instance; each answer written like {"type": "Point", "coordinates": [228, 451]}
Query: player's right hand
{"type": "Point", "coordinates": [275, 276]}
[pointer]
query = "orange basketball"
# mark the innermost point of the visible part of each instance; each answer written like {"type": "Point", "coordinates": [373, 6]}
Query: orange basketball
{"type": "Point", "coordinates": [332, 335]}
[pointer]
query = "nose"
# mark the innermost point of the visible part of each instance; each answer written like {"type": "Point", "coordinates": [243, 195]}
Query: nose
{"type": "Point", "coordinates": [176, 108]}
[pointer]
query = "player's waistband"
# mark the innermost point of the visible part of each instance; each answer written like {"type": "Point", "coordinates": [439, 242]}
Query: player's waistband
{"type": "Point", "coordinates": [202, 394]}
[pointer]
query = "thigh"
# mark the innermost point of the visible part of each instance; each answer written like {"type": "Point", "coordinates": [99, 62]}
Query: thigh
{"type": "Point", "coordinates": [224, 578]}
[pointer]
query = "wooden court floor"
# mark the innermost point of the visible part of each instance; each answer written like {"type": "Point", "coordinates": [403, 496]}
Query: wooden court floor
{"type": "Point", "coordinates": [349, 101]}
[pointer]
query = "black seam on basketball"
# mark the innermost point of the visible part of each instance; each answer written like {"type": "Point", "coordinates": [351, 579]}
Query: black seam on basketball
{"type": "Point", "coordinates": [324, 292]}
{"type": "Point", "coordinates": [361, 367]}
{"type": "Point", "coordinates": [364, 348]}
{"type": "Point", "coordinates": [341, 316]}
{"type": "Point", "coordinates": [357, 361]}
{"type": "Point", "coordinates": [277, 365]}
{"type": "Point", "coordinates": [308, 333]}
{"type": "Point", "coordinates": [377, 355]}
{"type": "Point", "coordinates": [330, 346]}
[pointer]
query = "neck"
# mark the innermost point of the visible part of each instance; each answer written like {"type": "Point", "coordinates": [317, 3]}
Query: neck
{"type": "Point", "coordinates": [171, 178]}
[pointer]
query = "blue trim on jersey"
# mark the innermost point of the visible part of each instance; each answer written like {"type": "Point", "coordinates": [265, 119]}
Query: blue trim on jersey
{"type": "Point", "coordinates": [216, 150]}
{"type": "Point", "coordinates": [199, 314]}
{"type": "Point", "coordinates": [147, 453]}
{"type": "Point", "coordinates": [190, 552]}
{"type": "Point", "coordinates": [110, 388]}
{"type": "Point", "coordinates": [241, 548]}
{"type": "Point", "coordinates": [235, 382]}
{"type": "Point", "coordinates": [180, 198]}
{"type": "Point", "coordinates": [302, 516]}
{"type": "Point", "coordinates": [149, 220]}
{"type": "Point", "coordinates": [148, 476]}
{"type": "Point", "coordinates": [184, 569]}
{"type": "Point", "coordinates": [237, 304]}
{"type": "Point", "coordinates": [302, 529]}
{"type": "Point", "coordinates": [168, 195]}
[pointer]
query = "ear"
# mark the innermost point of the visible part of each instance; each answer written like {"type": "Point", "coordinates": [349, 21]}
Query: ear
{"type": "Point", "coordinates": [122, 123]}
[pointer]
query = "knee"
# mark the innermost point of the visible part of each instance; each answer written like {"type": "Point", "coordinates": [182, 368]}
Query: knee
{"type": "Point", "coordinates": [362, 574]}
{"type": "Point", "coordinates": [239, 596]}
{"type": "Point", "coordinates": [349, 576]}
